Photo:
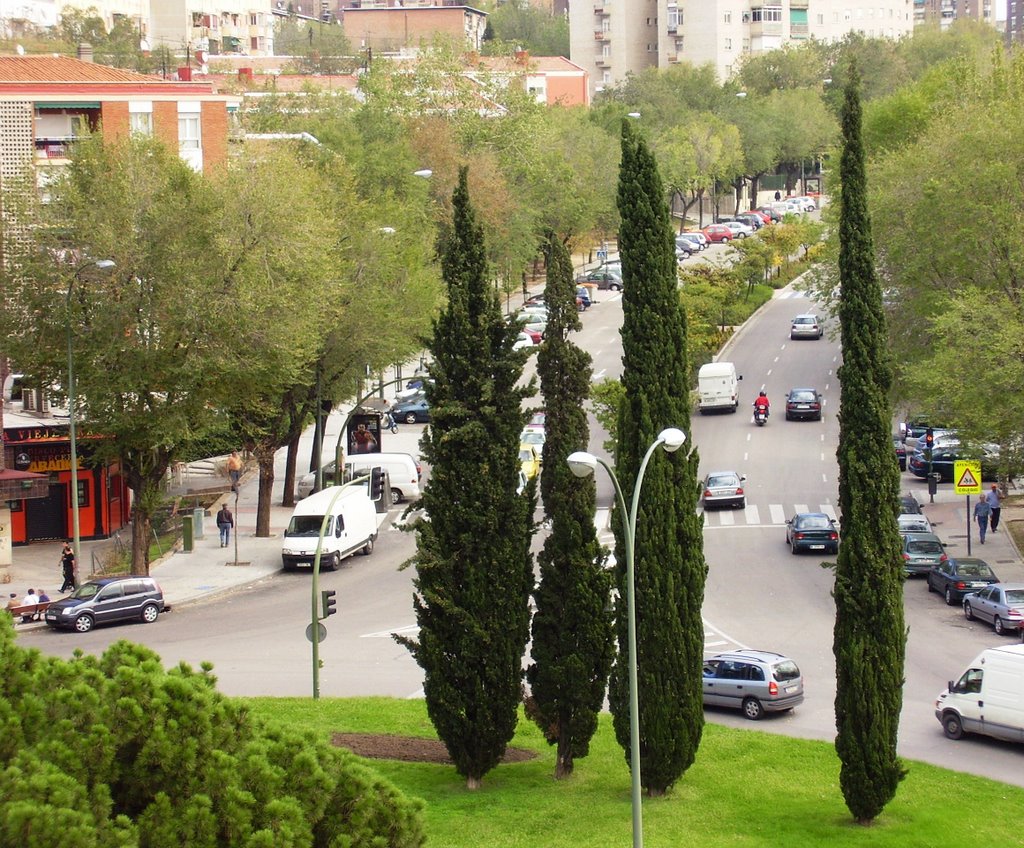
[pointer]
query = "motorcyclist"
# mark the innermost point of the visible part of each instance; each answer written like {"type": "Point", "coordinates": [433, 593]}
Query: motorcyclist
{"type": "Point", "coordinates": [762, 401]}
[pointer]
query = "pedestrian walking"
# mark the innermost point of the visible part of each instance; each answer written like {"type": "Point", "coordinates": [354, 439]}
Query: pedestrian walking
{"type": "Point", "coordinates": [225, 521]}
{"type": "Point", "coordinates": [234, 469]}
{"type": "Point", "coordinates": [993, 496]}
{"type": "Point", "coordinates": [69, 565]}
{"type": "Point", "coordinates": [778, 195]}
{"type": "Point", "coordinates": [982, 512]}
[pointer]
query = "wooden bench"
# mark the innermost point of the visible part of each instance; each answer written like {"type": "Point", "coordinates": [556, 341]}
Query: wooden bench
{"type": "Point", "coordinates": [32, 610]}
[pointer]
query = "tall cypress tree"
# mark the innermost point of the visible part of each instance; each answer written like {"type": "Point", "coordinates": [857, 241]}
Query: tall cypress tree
{"type": "Point", "coordinates": [572, 626]}
{"type": "Point", "coordinates": [669, 552]}
{"type": "Point", "coordinates": [474, 571]}
{"type": "Point", "coordinates": [869, 639]}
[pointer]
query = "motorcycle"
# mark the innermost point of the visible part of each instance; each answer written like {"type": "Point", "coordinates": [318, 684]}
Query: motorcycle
{"type": "Point", "coordinates": [760, 414]}
{"type": "Point", "coordinates": [388, 422]}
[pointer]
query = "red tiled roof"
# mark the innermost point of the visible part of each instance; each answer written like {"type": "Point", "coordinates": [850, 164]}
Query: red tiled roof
{"type": "Point", "coordinates": [58, 69]}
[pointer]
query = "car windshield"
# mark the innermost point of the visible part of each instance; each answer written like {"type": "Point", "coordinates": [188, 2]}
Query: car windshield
{"type": "Point", "coordinates": [86, 591]}
{"type": "Point", "coordinates": [974, 570]}
{"type": "Point", "coordinates": [804, 319]}
{"type": "Point", "coordinates": [525, 456]}
{"type": "Point", "coordinates": [785, 670]}
{"type": "Point", "coordinates": [306, 525]}
{"type": "Point", "coordinates": [813, 522]}
{"type": "Point", "coordinates": [533, 437]}
{"type": "Point", "coordinates": [802, 396]}
{"type": "Point", "coordinates": [923, 546]}
{"type": "Point", "coordinates": [1014, 596]}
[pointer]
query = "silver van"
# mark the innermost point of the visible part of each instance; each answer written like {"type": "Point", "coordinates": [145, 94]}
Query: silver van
{"type": "Point", "coordinates": [755, 682]}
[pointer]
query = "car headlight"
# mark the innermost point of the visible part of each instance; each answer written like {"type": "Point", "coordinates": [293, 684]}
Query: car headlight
{"type": "Point", "coordinates": [289, 551]}
{"type": "Point", "coordinates": [68, 611]}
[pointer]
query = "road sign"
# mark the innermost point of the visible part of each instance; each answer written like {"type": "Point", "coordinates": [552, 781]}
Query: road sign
{"type": "Point", "coordinates": [321, 632]}
{"type": "Point", "coordinates": [967, 476]}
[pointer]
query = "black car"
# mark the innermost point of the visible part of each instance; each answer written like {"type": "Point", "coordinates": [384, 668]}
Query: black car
{"type": "Point", "coordinates": [909, 505]}
{"type": "Point", "coordinates": [955, 578]}
{"type": "Point", "coordinates": [751, 220]}
{"type": "Point", "coordinates": [942, 463]}
{"type": "Point", "coordinates": [107, 599]}
{"type": "Point", "coordinates": [812, 531]}
{"type": "Point", "coordinates": [803, 404]}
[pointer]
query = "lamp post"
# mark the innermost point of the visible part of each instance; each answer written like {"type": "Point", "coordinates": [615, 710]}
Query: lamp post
{"type": "Point", "coordinates": [583, 465]}
{"type": "Point", "coordinates": [101, 264]}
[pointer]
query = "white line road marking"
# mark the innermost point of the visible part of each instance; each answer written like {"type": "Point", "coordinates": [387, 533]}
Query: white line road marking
{"type": "Point", "coordinates": [829, 510]}
{"type": "Point", "coordinates": [597, 375]}
{"type": "Point", "coordinates": [800, 508]}
{"type": "Point", "coordinates": [749, 435]}
{"type": "Point", "coordinates": [769, 374]}
{"type": "Point", "coordinates": [751, 515]}
{"type": "Point", "coordinates": [726, 519]}
{"type": "Point", "coordinates": [716, 632]}
{"type": "Point", "coordinates": [409, 629]}
{"type": "Point", "coordinates": [745, 455]}
{"type": "Point", "coordinates": [822, 456]}
{"type": "Point", "coordinates": [601, 518]}
{"type": "Point", "coordinates": [824, 479]}
{"type": "Point", "coordinates": [776, 359]}
{"type": "Point", "coordinates": [777, 513]}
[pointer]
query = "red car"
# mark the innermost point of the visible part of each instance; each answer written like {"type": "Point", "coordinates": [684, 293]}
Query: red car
{"type": "Point", "coordinates": [717, 233]}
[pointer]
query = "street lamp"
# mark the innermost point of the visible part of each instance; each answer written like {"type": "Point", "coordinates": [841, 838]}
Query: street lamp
{"type": "Point", "coordinates": [103, 265]}
{"type": "Point", "coordinates": [583, 464]}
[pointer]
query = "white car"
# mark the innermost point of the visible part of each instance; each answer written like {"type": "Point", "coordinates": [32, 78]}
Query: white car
{"type": "Point", "coordinates": [911, 523]}
{"type": "Point", "coordinates": [523, 341]}
{"type": "Point", "coordinates": [739, 230]}
{"type": "Point", "coordinates": [806, 203]}
{"type": "Point", "coordinates": [535, 437]}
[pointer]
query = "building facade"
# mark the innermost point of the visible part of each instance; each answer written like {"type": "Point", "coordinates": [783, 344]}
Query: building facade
{"type": "Point", "coordinates": [612, 38]}
{"type": "Point", "coordinates": [389, 28]}
{"type": "Point", "coordinates": [947, 11]}
{"type": "Point", "coordinates": [213, 27]}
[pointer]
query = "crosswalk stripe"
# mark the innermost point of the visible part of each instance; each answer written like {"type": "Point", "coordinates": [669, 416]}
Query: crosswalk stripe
{"type": "Point", "coordinates": [778, 514]}
{"type": "Point", "coordinates": [751, 515]}
{"type": "Point", "coordinates": [829, 510]}
{"type": "Point", "coordinates": [800, 508]}
{"type": "Point", "coordinates": [726, 519]}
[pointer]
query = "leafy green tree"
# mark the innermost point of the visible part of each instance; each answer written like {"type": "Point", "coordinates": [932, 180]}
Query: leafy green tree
{"type": "Point", "coordinates": [519, 26]}
{"type": "Point", "coordinates": [315, 48]}
{"type": "Point", "coordinates": [870, 638]}
{"type": "Point", "coordinates": [669, 556]}
{"type": "Point", "coordinates": [474, 570]}
{"type": "Point", "coordinates": [606, 398]}
{"type": "Point", "coordinates": [789, 67]}
{"type": "Point", "coordinates": [157, 351]}
{"type": "Point", "coordinates": [113, 751]}
{"type": "Point", "coordinates": [572, 644]}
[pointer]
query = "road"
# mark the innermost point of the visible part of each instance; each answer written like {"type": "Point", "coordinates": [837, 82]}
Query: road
{"type": "Point", "coordinates": [758, 594]}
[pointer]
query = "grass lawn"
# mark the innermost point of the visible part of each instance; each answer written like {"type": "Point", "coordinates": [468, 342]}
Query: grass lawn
{"type": "Point", "coordinates": [747, 788]}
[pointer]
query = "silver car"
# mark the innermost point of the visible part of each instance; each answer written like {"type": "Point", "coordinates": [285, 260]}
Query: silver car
{"type": "Point", "coordinates": [913, 523]}
{"type": "Point", "coordinates": [755, 682]}
{"type": "Point", "coordinates": [921, 552]}
{"type": "Point", "coordinates": [724, 488]}
{"type": "Point", "coordinates": [806, 326]}
{"type": "Point", "coordinates": [1001, 604]}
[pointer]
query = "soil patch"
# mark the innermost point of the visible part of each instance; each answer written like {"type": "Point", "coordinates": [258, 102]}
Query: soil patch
{"type": "Point", "coordinates": [409, 749]}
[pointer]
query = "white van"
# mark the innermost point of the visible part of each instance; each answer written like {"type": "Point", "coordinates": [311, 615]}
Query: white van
{"type": "Point", "coordinates": [718, 387]}
{"type": "Point", "coordinates": [403, 471]}
{"type": "Point", "coordinates": [988, 698]}
{"type": "Point", "coordinates": [352, 527]}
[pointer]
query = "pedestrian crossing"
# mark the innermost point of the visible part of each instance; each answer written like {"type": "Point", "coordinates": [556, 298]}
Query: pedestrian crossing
{"type": "Point", "coordinates": [752, 515]}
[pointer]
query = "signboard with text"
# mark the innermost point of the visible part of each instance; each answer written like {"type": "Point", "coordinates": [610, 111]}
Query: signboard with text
{"type": "Point", "coordinates": [967, 476]}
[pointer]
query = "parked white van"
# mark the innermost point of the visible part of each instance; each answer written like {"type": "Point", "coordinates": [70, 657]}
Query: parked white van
{"type": "Point", "coordinates": [718, 387]}
{"type": "Point", "coordinates": [403, 472]}
{"type": "Point", "coordinates": [988, 698]}
{"type": "Point", "coordinates": [351, 527]}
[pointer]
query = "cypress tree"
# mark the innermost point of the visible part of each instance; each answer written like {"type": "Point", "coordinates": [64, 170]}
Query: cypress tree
{"type": "Point", "coordinates": [474, 570]}
{"type": "Point", "coordinates": [869, 638]}
{"type": "Point", "coordinates": [669, 553]}
{"type": "Point", "coordinates": [572, 626]}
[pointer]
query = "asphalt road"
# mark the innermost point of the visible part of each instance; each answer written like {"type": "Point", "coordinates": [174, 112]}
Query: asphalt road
{"type": "Point", "coordinates": [758, 594]}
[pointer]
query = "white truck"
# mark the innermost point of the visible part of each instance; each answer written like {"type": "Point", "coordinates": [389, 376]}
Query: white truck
{"type": "Point", "coordinates": [351, 527]}
{"type": "Point", "coordinates": [988, 698]}
{"type": "Point", "coordinates": [718, 387]}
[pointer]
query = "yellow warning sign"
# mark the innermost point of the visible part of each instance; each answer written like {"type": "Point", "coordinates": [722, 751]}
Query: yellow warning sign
{"type": "Point", "coordinates": [967, 476]}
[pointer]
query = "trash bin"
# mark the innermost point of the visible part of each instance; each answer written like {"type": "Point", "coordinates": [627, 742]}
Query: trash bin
{"type": "Point", "coordinates": [198, 528]}
{"type": "Point", "coordinates": [186, 534]}
{"type": "Point", "coordinates": [933, 482]}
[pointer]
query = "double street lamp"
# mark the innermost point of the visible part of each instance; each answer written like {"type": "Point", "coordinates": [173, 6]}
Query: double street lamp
{"type": "Point", "coordinates": [583, 465]}
{"type": "Point", "coordinates": [102, 265]}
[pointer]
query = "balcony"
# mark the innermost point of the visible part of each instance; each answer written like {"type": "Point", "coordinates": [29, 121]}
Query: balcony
{"type": "Point", "coordinates": [602, 10]}
{"type": "Point", "coordinates": [600, 35]}
{"type": "Point", "coordinates": [798, 30]}
{"type": "Point", "coordinates": [798, 4]}
{"type": "Point", "coordinates": [603, 61]}
{"type": "Point", "coordinates": [54, 148]}
{"type": "Point", "coordinates": [765, 28]}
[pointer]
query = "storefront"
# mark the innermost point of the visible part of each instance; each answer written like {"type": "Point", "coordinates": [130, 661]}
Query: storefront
{"type": "Point", "coordinates": [103, 495]}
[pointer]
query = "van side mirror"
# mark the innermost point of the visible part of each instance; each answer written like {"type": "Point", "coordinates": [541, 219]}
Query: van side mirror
{"type": "Point", "coordinates": [739, 376]}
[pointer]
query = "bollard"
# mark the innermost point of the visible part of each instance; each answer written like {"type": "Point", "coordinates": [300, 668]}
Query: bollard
{"type": "Point", "coordinates": [186, 534]}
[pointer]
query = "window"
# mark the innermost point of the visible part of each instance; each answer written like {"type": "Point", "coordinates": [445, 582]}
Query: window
{"type": "Point", "coordinates": [821, 19]}
{"type": "Point", "coordinates": [767, 13]}
{"type": "Point", "coordinates": [188, 131]}
{"type": "Point", "coordinates": [728, 18]}
{"type": "Point", "coordinates": [746, 45]}
{"type": "Point", "coordinates": [728, 44]}
{"type": "Point", "coordinates": [140, 117]}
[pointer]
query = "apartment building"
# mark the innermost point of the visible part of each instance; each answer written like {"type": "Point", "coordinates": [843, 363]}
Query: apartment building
{"type": "Point", "coordinates": [212, 27]}
{"type": "Point", "coordinates": [611, 38]}
{"type": "Point", "coordinates": [386, 26]}
{"type": "Point", "coordinates": [947, 11]}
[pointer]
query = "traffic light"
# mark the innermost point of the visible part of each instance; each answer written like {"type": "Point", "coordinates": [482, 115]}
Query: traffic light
{"type": "Point", "coordinates": [328, 603]}
{"type": "Point", "coordinates": [376, 483]}
{"type": "Point", "coordinates": [929, 439]}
